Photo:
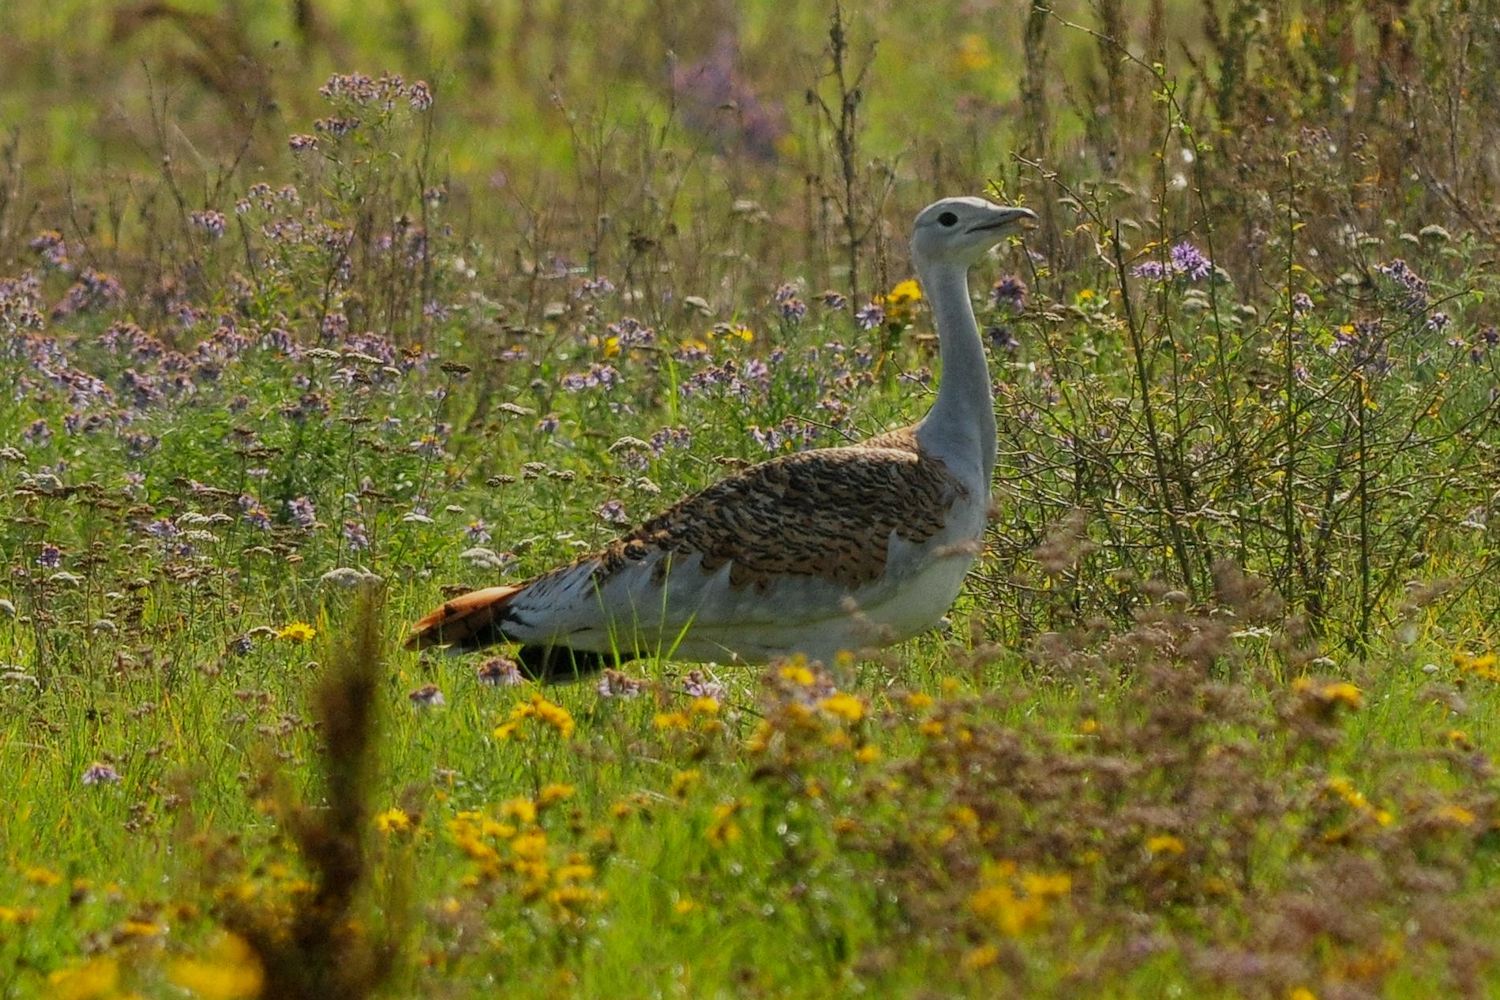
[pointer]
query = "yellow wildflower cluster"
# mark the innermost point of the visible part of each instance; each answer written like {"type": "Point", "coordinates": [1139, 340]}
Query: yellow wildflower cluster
{"type": "Point", "coordinates": [1343, 790]}
{"type": "Point", "coordinates": [1330, 693]}
{"type": "Point", "coordinates": [540, 712]}
{"type": "Point", "coordinates": [1483, 665]}
{"type": "Point", "coordinates": [702, 716]}
{"type": "Point", "coordinates": [1015, 901]}
{"type": "Point", "coordinates": [844, 707]}
{"type": "Point", "coordinates": [724, 829]}
{"type": "Point", "coordinates": [513, 846]}
{"type": "Point", "coordinates": [228, 971]}
{"type": "Point", "coordinates": [93, 980]}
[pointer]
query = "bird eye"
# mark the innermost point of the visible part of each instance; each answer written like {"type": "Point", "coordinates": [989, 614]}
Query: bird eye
{"type": "Point", "coordinates": [947, 219]}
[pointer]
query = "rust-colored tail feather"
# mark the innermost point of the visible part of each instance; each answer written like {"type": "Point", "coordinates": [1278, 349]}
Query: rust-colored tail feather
{"type": "Point", "coordinates": [469, 621]}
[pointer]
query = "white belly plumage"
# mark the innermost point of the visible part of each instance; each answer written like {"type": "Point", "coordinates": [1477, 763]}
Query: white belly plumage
{"type": "Point", "coordinates": [685, 613]}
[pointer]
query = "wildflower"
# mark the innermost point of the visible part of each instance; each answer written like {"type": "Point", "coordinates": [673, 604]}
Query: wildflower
{"type": "Point", "coordinates": [355, 535]}
{"type": "Point", "coordinates": [302, 143]}
{"type": "Point", "coordinates": [541, 710]}
{"type": "Point", "coordinates": [211, 222]}
{"type": "Point", "coordinates": [419, 95]}
{"type": "Point", "coordinates": [684, 906]}
{"type": "Point", "coordinates": [1165, 843]}
{"type": "Point", "coordinates": [1188, 261]}
{"type": "Point", "coordinates": [427, 696]}
{"type": "Point", "coordinates": [39, 876]}
{"type": "Point", "coordinates": [1009, 292]}
{"type": "Point", "coordinates": [1302, 304]}
{"type": "Point", "coordinates": [843, 706]}
{"type": "Point", "coordinates": [613, 512]}
{"type": "Point", "coordinates": [100, 774]}
{"type": "Point", "coordinates": [684, 782]}
{"type": "Point", "coordinates": [302, 513]}
{"type": "Point", "coordinates": [698, 685]}
{"type": "Point", "coordinates": [981, 958]}
{"type": "Point", "coordinates": [833, 300]}
{"type": "Point", "coordinates": [870, 317]}
{"type": "Point", "coordinates": [50, 556]}
{"type": "Point", "coordinates": [665, 721]}
{"type": "Point", "coordinates": [97, 978]}
{"type": "Point", "coordinates": [393, 820]}
{"type": "Point", "coordinates": [296, 632]}
{"type": "Point", "coordinates": [1453, 814]}
{"type": "Point", "coordinates": [614, 684]}
{"type": "Point", "coordinates": [228, 971]}
{"type": "Point", "coordinates": [1150, 270]}
{"type": "Point", "coordinates": [723, 830]}
{"type": "Point", "coordinates": [797, 673]}
{"type": "Point", "coordinates": [54, 250]}
{"type": "Point", "coordinates": [553, 793]}
{"type": "Point", "coordinates": [498, 671]}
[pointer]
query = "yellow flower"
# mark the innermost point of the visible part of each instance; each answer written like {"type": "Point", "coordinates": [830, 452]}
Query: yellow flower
{"type": "Point", "coordinates": [704, 706]}
{"type": "Point", "coordinates": [1165, 843]}
{"type": "Point", "coordinates": [798, 674]}
{"type": "Point", "coordinates": [867, 754]}
{"type": "Point", "coordinates": [530, 846]}
{"type": "Point", "coordinates": [1301, 993]}
{"type": "Point", "coordinates": [545, 712]}
{"type": "Point", "coordinates": [982, 957]}
{"type": "Point", "coordinates": [684, 906]}
{"type": "Point", "coordinates": [684, 782]}
{"type": "Point", "coordinates": [94, 980]}
{"type": "Point", "coordinates": [520, 809]}
{"type": "Point", "coordinates": [904, 294]}
{"type": "Point", "coordinates": [1453, 814]}
{"type": "Point", "coordinates": [393, 820]}
{"type": "Point", "coordinates": [670, 720]}
{"type": "Point", "coordinates": [229, 971]}
{"type": "Point", "coordinates": [724, 830]}
{"type": "Point", "coordinates": [974, 53]}
{"type": "Point", "coordinates": [554, 793]}
{"type": "Point", "coordinates": [297, 632]}
{"type": "Point", "coordinates": [18, 915]}
{"type": "Point", "coordinates": [843, 706]}
{"type": "Point", "coordinates": [38, 875]}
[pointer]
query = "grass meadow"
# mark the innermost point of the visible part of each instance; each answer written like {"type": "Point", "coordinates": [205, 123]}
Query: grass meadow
{"type": "Point", "coordinates": [314, 313]}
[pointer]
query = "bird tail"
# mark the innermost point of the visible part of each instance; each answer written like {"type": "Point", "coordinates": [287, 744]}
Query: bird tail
{"type": "Point", "coordinates": [468, 622]}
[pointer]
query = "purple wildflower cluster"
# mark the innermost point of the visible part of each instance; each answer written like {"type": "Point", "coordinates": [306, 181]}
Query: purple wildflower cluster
{"type": "Point", "coordinates": [1184, 260]}
{"type": "Point", "coordinates": [1411, 286]}
{"type": "Point", "coordinates": [1366, 346]}
{"type": "Point", "coordinates": [791, 306]}
{"type": "Point", "coordinates": [870, 317]}
{"type": "Point", "coordinates": [385, 92]}
{"type": "Point", "coordinates": [598, 376]}
{"type": "Point", "coordinates": [789, 435]}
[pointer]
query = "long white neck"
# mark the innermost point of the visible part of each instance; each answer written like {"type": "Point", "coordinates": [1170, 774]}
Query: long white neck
{"type": "Point", "coordinates": [960, 427]}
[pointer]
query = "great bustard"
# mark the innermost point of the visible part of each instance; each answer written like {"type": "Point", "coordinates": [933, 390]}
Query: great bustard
{"type": "Point", "coordinates": [827, 550]}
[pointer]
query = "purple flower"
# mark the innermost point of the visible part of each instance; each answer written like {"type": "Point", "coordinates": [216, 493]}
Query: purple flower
{"type": "Point", "coordinates": [211, 222]}
{"type": "Point", "coordinates": [427, 696]}
{"type": "Point", "coordinates": [1302, 303]}
{"type": "Point", "coordinates": [302, 513]}
{"type": "Point", "coordinates": [613, 684]}
{"type": "Point", "coordinates": [698, 684]}
{"type": "Point", "coordinates": [50, 556]}
{"type": "Point", "coordinates": [1438, 321]}
{"type": "Point", "coordinates": [302, 143]}
{"type": "Point", "coordinates": [1150, 270]}
{"type": "Point", "coordinates": [1003, 337]}
{"type": "Point", "coordinates": [477, 532]}
{"type": "Point", "coordinates": [548, 424]}
{"type": "Point", "coordinates": [497, 671]}
{"type": "Point", "coordinates": [1009, 292]}
{"type": "Point", "coordinates": [356, 536]}
{"type": "Point", "coordinates": [612, 512]}
{"type": "Point", "coordinates": [870, 316]}
{"type": "Point", "coordinates": [100, 774]}
{"type": "Point", "coordinates": [50, 244]}
{"type": "Point", "coordinates": [419, 95]}
{"type": "Point", "coordinates": [1189, 261]}
{"type": "Point", "coordinates": [833, 300]}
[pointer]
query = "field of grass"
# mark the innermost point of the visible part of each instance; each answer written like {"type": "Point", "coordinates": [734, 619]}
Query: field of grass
{"type": "Point", "coordinates": [295, 346]}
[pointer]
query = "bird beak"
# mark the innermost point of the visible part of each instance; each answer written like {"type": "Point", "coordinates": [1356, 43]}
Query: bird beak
{"type": "Point", "coordinates": [1003, 219]}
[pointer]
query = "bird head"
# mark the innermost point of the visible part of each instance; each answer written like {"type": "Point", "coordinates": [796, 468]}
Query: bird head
{"type": "Point", "coordinates": [960, 230]}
